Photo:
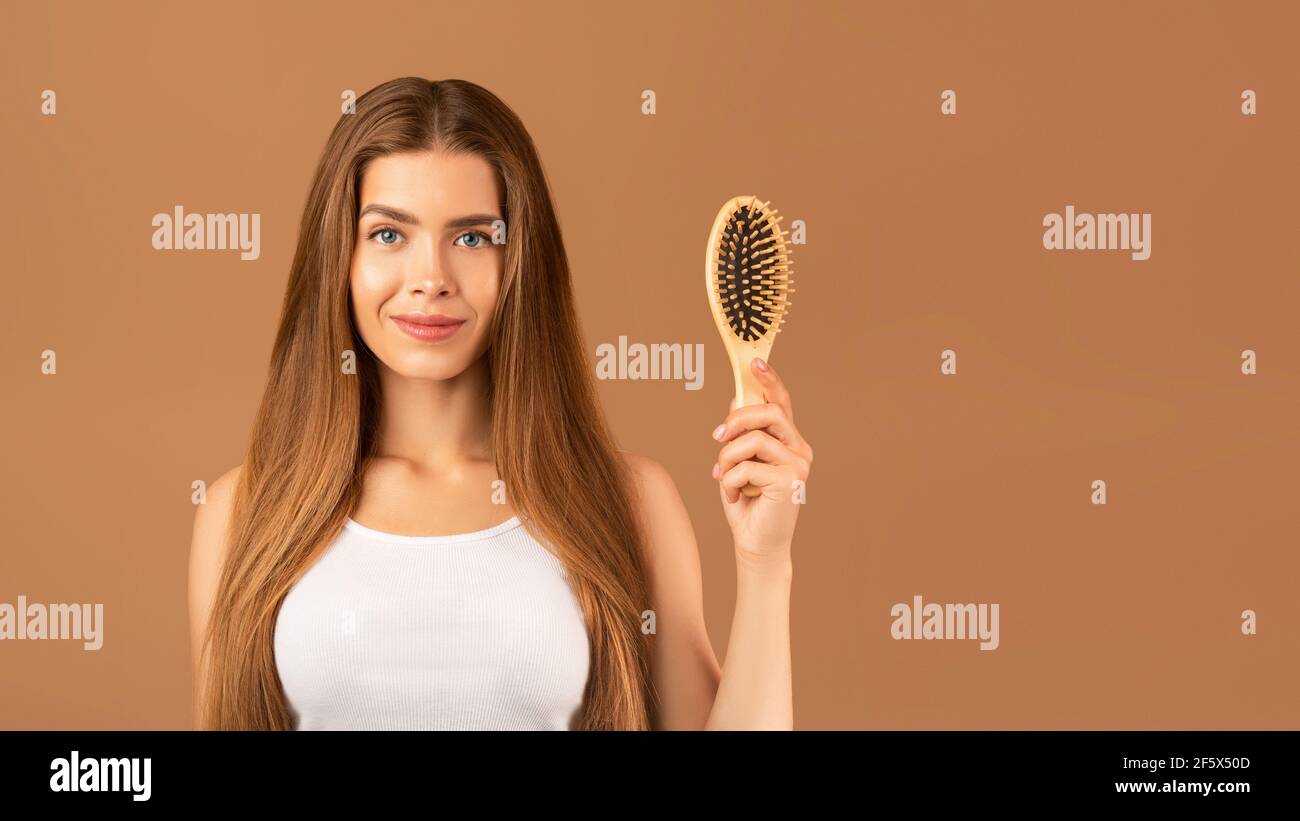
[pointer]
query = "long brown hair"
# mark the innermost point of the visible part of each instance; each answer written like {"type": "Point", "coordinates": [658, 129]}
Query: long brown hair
{"type": "Point", "coordinates": [316, 425]}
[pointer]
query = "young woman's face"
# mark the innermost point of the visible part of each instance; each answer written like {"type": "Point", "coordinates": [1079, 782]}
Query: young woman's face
{"type": "Point", "coordinates": [424, 254]}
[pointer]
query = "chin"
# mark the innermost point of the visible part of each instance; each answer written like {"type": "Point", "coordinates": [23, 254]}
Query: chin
{"type": "Point", "coordinates": [438, 365]}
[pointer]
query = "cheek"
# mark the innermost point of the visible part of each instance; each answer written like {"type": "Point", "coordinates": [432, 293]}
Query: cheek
{"type": "Point", "coordinates": [483, 298]}
{"type": "Point", "coordinates": [370, 279]}
{"type": "Point", "coordinates": [371, 286]}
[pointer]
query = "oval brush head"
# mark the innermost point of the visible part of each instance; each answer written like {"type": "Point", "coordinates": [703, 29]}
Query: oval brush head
{"type": "Point", "coordinates": [747, 271]}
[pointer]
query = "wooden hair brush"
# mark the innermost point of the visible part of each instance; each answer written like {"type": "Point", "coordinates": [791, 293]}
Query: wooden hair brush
{"type": "Point", "coordinates": [747, 273]}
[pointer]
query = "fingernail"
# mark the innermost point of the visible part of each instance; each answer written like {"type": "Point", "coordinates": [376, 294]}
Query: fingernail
{"type": "Point", "coordinates": [716, 471]}
{"type": "Point", "coordinates": [719, 430]}
{"type": "Point", "coordinates": [761, 365]}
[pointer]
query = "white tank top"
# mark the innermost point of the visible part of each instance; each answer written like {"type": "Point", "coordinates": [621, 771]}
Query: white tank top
{"type": "Point", "coordinates": [473, 631]}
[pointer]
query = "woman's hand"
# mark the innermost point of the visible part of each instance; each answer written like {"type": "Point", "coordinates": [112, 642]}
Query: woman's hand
{"type": "Point", "coordinates": [762, 446]}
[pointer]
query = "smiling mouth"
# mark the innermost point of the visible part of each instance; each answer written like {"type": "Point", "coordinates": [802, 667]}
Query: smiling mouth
{"type": "Point", "coordinates": [428, 329]}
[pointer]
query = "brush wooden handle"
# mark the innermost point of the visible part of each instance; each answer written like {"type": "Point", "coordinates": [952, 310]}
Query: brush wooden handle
{"type": "Point", "coordinates": [748, 392]}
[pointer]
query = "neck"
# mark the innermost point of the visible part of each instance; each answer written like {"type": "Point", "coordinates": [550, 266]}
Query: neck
{"type": "Point", "coordinates": [435, 423]}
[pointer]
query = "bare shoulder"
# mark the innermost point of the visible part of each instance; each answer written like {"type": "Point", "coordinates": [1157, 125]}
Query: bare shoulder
{"type": "Point", "coordinates": [655, 489]}
{"type": "Point", "coordinates": [650, 475]}
{"type": "Point", "coordinates": [210, 518]}
{"type": "Point", "coordinates": [226, 482]}
{"type": "Point", "coordinates": [659, 506]}
{"type": "Point", "coordinates": [209, 545]}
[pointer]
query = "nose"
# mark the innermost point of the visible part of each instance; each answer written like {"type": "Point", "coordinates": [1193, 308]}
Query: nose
{"type": "Point", "coordinates": [430, 276]}
{"type": "Point", "coordinates": [431, 286]}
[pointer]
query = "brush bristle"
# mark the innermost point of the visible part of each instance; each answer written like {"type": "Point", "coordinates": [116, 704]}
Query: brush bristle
{"type": "Point", "coordinates": [752, 271]}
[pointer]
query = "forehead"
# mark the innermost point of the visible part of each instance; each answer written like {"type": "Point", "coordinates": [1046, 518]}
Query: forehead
{"type": "Point", "coordinates": [432, 182]}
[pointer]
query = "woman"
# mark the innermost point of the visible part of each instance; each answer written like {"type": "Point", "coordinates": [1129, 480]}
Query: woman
{"type": "Point", "coordinates": [429, 377]}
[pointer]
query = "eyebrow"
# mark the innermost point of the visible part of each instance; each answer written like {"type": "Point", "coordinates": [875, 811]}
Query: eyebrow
{"type": "Point", "coordinates": [398, 215]}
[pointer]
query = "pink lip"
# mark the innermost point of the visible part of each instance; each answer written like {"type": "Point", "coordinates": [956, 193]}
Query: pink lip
{"type": "Point", "coordinates": [429, 327]}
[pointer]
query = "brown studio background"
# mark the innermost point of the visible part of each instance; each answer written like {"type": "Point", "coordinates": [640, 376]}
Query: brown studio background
{"type": "Point", "coordinates": [924, 233]}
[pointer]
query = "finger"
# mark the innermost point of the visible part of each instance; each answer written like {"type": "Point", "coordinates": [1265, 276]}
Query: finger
{"type": "Point", "coordinates": [769, 417]}
{"type": "Point", "coordinates": [773, 388]}
{"type": "Point", "coordinates": [760, 445]}
{"type": "Point", "coordinates": [775, 481]}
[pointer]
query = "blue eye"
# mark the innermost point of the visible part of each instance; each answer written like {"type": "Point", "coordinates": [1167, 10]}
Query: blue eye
{"type": "Point", "coordinates": [384, 232]}
{"type": "Point", "coordinates": [479, 235]}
